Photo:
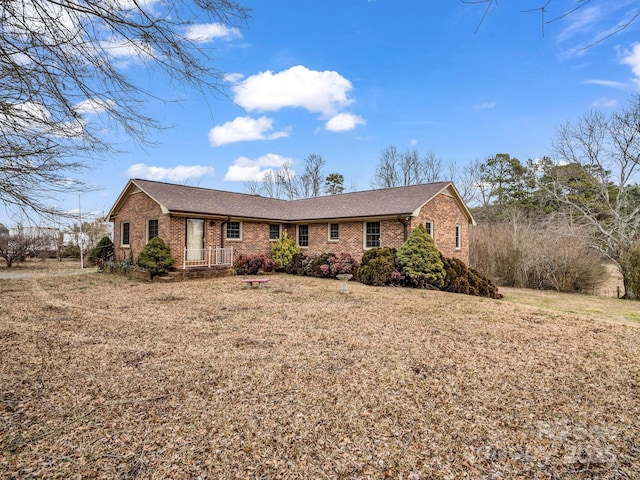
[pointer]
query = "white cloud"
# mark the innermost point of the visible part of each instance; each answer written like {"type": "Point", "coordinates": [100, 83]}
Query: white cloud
{"type": "Point", "coordinates": [244, 169]}
{"type": "Point", "coordinates": [205, 32]}
{"type": "Point", "coordinates": [91, 105]}
{"type": "Point", "coordinates": [244, 129]}
{"type": "Point", "coordinates": [413, 142]}
{"type": "Point", "coordinates": [124, 51]}
{"type": "Point", "coordinates": [605, 103]}
{"type": "Point", "coordinates": [607, 83]}
{"type": "Point", "coordinates": [485, 106]}
{"type": "Point", "coordinates": [178, 173]}
{"type": "Point", "coordinates": [632, 59]}
{"type": "Point", "coordinates": [318, 92]}
{"type": "Point", "coordinates": [343, 122]}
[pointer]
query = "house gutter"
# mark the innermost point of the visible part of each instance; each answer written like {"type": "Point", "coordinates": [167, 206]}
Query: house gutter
{"type": "Point", "coordinates": [405, 224]}
{"type": "Point", "coordinates": [222, 231]}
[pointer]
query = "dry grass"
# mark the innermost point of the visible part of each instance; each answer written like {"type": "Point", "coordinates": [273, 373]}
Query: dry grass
{"type": "Point", "coordinates": [103, 377]}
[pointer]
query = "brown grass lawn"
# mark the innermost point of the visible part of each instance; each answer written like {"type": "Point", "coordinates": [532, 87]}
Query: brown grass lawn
{"type": "Point", "coordinates": [102, 377]}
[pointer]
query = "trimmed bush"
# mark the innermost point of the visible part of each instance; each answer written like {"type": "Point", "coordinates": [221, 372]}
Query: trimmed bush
{"type": "Point", "coordinates": [102, 251]}
{"type": "Point", "coordinates": [419, 260]}
{"type": "Point", "coordinates": [342, 264]}
{"type": "Point", "coordinates": [155, 257]}
{"type": "Point", "coordinates": [378, 267]}
{"type": "Point", "coordinates": [318, 265]}
{"type": "Point", "coordinates": [283, 250]}
{"type": "Point", "coordinates": [253, 264]}
{"type": "Point", "coordinates": [297, 265]}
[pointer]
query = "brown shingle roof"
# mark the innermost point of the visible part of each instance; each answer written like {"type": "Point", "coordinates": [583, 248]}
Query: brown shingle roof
{"type": "Point", "coordinates": [180, 199]}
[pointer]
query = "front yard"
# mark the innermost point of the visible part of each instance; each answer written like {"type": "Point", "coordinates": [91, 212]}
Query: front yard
{"type": "Point", "coordinates": [105, 377]}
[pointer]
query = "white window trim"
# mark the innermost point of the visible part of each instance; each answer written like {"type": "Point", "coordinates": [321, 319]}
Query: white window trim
{"type": "Point", "coordinates": [329, 239]}
{"type": "Point", "coordinates": [226, 232]}
{"type": "Point", "coordinates": [122, 244]}
{"type": "Point", "coordinates": [430, 222]}
{"type": "Point", "coordinates": [458, 239]}
{"type": "Point", "coordinates": [364, 234]}
{"type": "Point", "coordinates": [279, 232]}
{"type": "Point", "coordinates": [147, 228]}
{"type": "Point", "coordinates": [298, 235]}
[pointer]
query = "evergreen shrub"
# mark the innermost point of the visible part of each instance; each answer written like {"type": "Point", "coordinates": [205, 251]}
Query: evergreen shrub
{"type": "Point", "coordinates": [283, 250]}
{"type": "Point", "coordinates": [155, 257]}
{"type": "Point", "coordinates": [419, 260]}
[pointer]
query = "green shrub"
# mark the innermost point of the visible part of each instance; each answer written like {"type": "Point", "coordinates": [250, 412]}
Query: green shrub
{"type": "Point", "coordinates": [102, 251]}
{"type": "Point", "coordinates": [419, 260]}
{"type": "Point", "coordinates": [318, 265]}
{"type": "Point", "coordinates": [253, 264]}
{"type": "Point", "coordinates": [461, 279]}
{"type": "Point", "coordinates": [155, 257]}
{"type": "Point", "coordinates": [378, 267]}
{"type": "Point", "coordinates": [283, 251]}
{"type": "Point", "coordinates": [297, 265]}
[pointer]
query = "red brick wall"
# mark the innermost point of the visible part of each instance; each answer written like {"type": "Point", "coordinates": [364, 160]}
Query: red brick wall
{"type": "Point", "coordinates": [445, 214]}
{"type": "Point", "coordinates": [137, 209]}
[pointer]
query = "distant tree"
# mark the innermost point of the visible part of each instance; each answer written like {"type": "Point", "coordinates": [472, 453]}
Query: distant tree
{"type": "Point", "coordinates": [18, 244]}
{"type": "Point", "coordinates": [600, 193]}
{"type": "Point", "coordinates": [396, 169]}
{"type": "Point", "coordinates": [312, 179]}
{"type": "Point", "coordinates": [63, 80]}
{"type": "Point", "coordinates": [420, 261]}
{"type": "Point", "coordinates": [3, 229]}
{"type": "Point", "coordinates": [334, 183]}
{"type": "Point", "coordinates": [503, 179]}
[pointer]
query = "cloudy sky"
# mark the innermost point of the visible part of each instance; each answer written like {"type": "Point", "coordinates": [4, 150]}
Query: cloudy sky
{"type": "Point", "coordinates": [345, 79]}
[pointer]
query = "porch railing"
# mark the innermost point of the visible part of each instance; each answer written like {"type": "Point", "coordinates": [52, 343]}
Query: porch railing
{"type": "Point", "coordinates": [207, 257]}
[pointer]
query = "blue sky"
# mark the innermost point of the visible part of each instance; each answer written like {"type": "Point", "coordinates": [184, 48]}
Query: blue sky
{"type": "Point", "coordinates": [345, 79]}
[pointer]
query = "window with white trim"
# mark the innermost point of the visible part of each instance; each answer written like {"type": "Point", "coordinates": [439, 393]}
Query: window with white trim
{"type": "Point", "coordinates": [458, 236]}
{"type": "Point", "coordinates": [274, 231]}
{"type": "Point", "coordinates": [152, 228]}
{"type": "Point", "coordinates": [234, 231]}
{"type": "Point", "coordinates": [303, 235]}
{"type": "Point", "coordinates": [334, 232]}
{"type": "Point", "coordinates": [125, 230]}
{"type": "Point", "coordinates": [429, 226]}
{"type": "Point", "coordinates": [372, 235]}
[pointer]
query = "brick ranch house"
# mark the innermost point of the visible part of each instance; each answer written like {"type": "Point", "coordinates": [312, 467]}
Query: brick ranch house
{"type": "Point", "coordinates": [200, 225]}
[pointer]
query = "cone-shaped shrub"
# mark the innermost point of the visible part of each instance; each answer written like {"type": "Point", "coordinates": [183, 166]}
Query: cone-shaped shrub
{"type": "Point", "coordinates": [155, 256]}
{"type": "Point", "coordinates": [419, 260]}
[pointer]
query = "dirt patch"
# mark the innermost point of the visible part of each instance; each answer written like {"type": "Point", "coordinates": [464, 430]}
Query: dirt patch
{"type": "Point", "coordinates": [101, 376]}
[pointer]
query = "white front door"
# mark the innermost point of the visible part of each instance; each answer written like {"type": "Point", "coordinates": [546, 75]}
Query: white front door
{"type": "Point", "coordinates": [195, 239]}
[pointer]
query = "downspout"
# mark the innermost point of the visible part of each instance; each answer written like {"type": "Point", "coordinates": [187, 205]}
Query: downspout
{"type": "Point", "coordinates": [405, 224]}
{"type": "Point", "coordinates": [222, 231]}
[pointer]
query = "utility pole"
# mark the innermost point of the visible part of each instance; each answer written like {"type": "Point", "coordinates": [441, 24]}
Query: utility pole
{"type": "Point", "coordinates": [80, 235]}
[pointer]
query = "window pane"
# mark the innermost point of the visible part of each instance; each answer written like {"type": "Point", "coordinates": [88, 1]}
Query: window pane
{"type": "Point", "coordinates": [334, 231]}
{"type": "Point", "coordinates": [303, 235]}
{"type": "Point", "coordinates": [373, 234]}
{"type": "Point", "coordinates": [457, 236]}
{"type": "Point", "coordinates": [233, 230]}
{"type": "Point", "coordinates": [429, 227]}
{"type": "Point", "coordinates": [153, 229]}
{"type": "Point", "coordinates": [274, 232]}
{"type": "Point", "coordinates": [125, 233]}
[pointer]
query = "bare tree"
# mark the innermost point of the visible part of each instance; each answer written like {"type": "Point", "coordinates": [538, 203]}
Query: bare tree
{"type": "Point", "coordinates": [409, 168]}
{"type": "Point", "coordinates": [601, 192]}
{"type": "Point", "coordinates": [627, 15]}
{"type": "Point", "coordinates": [66, 74]}
{"type": "Point", "coordinates": [18, 243]}
{"type": "Point", "coordinates": [312, 178]}
{"type": "Point", "coordinates": [387, 169]}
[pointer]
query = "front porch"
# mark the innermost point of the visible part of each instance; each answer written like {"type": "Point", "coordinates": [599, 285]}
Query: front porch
{"type": "Point", "coordinates": [207, 257]}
